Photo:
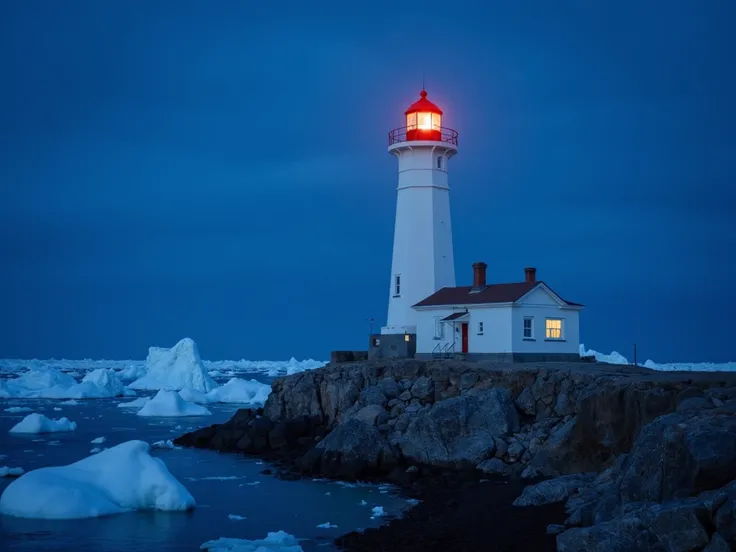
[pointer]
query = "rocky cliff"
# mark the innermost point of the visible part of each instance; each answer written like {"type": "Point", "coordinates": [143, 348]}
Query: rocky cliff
{"type": "Point", "coordinates": [384, 418]}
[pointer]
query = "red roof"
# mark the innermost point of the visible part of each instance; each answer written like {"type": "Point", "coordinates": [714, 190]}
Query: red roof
{"type": "Point", "coordinates": [423, 104]}
{"type": "Point", "coordinates": [493, 293]}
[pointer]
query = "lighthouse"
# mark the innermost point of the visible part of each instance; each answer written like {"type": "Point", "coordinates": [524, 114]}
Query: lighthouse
{"type": "Point", "coordinates": [422, 259]}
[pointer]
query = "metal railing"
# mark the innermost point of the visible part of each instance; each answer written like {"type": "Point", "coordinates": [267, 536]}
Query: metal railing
{"type": "Point", "coordinates": [447, 135]}
{"type": "Point", "coordinates": [446, 350]}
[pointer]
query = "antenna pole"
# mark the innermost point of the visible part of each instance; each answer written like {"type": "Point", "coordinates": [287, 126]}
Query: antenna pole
{"type": "Point", "coordinates": [423, 80]}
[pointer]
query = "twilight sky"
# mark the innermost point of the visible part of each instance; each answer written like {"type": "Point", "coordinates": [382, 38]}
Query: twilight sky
{"type": "Point", "coordinates": [219, 170]}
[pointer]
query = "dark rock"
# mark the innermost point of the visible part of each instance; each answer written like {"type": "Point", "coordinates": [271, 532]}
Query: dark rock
{"type": "Point", "coordinates": [689, 393]}
{"type": "Point", "coordinates": [717, 544]}
{"type": "Point", "coordinates": [680, 455]}
{"type": "Point", "coordinates": [353, 450]}
{"type": "Point", "coordinates": [389, 388]}
{"type": "Point", "coordinates": [468, 380]}
{"type": "Point", "coordinates": [369, 414]}
{"type": "Point", "coordinates": [525, 402]}
{"type": "Point", "coordinates": [495, 466]}
{"type": "Point", "coordinates": [693, 404]}
{"type": "Point", "coordinates": [553, 490]}
{"type": "Point", "coordinates": [501, 446]}
{"type": "Point", "coordinates": [405, 396]}
{"type": "Point", "coordinates": [423, 388]}
{"type": "Point", "coordinates": [624, 535]}
{"type": "Point", "coordinates": [555, 529]}
{"type": "Point", "coordinates": [515, 451]}
{"type": "Point", "coordinates": [373, 396]}
{"type": "Point", "coordinates": [678, 528]}
{"type": "Point", "coordinates": [459, 432]}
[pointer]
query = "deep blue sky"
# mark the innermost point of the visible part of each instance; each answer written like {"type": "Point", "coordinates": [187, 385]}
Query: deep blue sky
{"type": "Point", "coordinates": [219, 170]}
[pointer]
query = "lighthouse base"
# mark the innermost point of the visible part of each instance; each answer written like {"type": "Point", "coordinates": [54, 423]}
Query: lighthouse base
{"type": "Point", "coordinates": [402, 345]}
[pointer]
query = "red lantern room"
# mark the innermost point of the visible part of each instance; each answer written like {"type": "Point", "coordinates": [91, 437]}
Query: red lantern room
{"type": "Point", "coordinates": [423, 122]}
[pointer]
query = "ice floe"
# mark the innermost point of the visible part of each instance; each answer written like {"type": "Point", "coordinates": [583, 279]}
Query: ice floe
{"type": "Point", "coordinates": [136, 403]}
{"type": "Point", "coordinates": [48, 383]}
{"type": "Point", "coordinates": [174, 369]}
{"type": "Point", "coordinates": [235, 391]}
{"type": "Point", "coordinates": [38, 423]}
{"type": "Point", "coordinates": [119, 479]}
{"type": "Point", "coordinates": [169, 403]}
{"type": "Point", "coordinates": [280, 541]}
{"type": "Point", "coordinates": [5, 471]}
{"type": "Point", "coordinates": [15, 409]}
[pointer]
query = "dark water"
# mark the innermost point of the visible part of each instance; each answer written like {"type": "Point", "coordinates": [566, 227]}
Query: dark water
{"type": "Point", "coordinates": [267, 503]}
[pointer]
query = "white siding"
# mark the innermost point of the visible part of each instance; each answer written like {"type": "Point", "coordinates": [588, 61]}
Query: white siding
{"type": "Point", "coordinates": [570, 342]}
{"type": "Point", "coordinates": [497, 330]}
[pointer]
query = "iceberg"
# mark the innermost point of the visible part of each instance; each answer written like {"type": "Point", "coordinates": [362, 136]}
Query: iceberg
{"type": "Point", "coordinates": [280, 541]}
{"type": "Point", "coordinates": [175, 369]}
{"type": "Point", "coordinates": [120, 479]}
{"type": "Point", "coordinates": [5, 471]}
{"type": "Point", "coordinates": [38, 423]}
{"type": "Point", "coordinates": [236, 391]}
{"type": "Point", "coordinates": [169, 403]}
{"type": "Point", "coordinates": [49, 383]}
{"type": "Point", "coordinates": [137, 403]}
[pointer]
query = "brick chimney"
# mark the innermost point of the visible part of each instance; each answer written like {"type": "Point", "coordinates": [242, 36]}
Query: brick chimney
{"type": "Point", "coordinates": [530, 274]}
{"type": "Point", "coordinates": [479, 276]}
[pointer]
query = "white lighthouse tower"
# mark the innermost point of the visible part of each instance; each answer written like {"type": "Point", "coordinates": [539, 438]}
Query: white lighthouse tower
{"type": "Point", "coordinates": [422, 257]}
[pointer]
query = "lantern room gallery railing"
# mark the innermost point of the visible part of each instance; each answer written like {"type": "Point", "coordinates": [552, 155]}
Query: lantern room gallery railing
{"type": "Point", "coordinates": [438, 134]}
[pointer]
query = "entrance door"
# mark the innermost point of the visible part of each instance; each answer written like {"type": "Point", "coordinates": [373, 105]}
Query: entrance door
{"type": "Point", "coordinates": [465, 337]}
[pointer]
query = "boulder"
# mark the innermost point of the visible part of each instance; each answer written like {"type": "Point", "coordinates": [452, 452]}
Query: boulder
{"type": "Point", "coordinates": [717, 544]}
{"type": "Point", "coordinates": [372, 396]}
{"type": "Point", "coordinates": [389, 388]}
{"type": "Point", "coordinates": [525, 402]}
{"type": "Point", "coordinates": [693, 404]}
{"type": "Point", "coordinates": [621, 535]}
{"type": "Point", "coordinates": [352, 450]}
{"type": "Point", "coordinates": [495, 466]}
{"type": "Point", "coordinates": [680, 455]}
{"type": "Point", "coordinates": [370, 414]}
{"type": "Point", "coordinates": [423, 388]}
{"type": "Point", "coordinates": [459, 432]}
{"type": "Point", "coordinates": [553, 490]}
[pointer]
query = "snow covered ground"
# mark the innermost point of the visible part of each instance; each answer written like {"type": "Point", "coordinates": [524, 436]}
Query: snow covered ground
{"type": "Point", "coordinates": [617, 358]}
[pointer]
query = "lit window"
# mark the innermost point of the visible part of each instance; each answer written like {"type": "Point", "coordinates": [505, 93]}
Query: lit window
{"type": "Point", "coordinates": [439, 328]}
{"type": "Point", "coordinates": [436, 121]}
{"type": "Point", "coordinates": [411, 121]}
{"type": "Point", "coordinates": [424, 121]}
{"type": "Point", "coordinates": [397, 285]}
{"type": "Point", "coordinates": [406, 337]}
{"type": "Point", "coordinates": [439, 162]}
{"type": "Point", "coordinates": [480, 328]}
{"type": "Point", "coordinates": [529, 327]}
{"type": "Point", "coordinates": [553, 327]}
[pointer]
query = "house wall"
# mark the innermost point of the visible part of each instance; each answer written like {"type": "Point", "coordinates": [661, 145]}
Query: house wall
{"type": "Point", "coordinates": [540, 305]}
{"type": "Point", "coordinates": [496, 337]}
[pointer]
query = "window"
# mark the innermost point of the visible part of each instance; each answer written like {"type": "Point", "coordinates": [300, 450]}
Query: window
{"type": "Point", "coordinates": [439, 328]}
{"type": "Point", "coordinates": [397, 285]}
{"type": "Point", "coordinates": [411, 121]}
{"type": "Point", "coordinates": [407, 338]}
{"type": "Point", "coordinates": [553, 328]}
{"type": "Point", "coordinates": [424, 121]}
{"type": "Point", "coordinates": [528, 327]}
{"type": "Point", "coordinates": [439, 162]}
{"type": "Point", "coordinates": [480, 328]}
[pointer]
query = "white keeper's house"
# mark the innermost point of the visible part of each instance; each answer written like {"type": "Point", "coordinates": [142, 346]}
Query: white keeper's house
{"type": "Point", "coordinates": [428, 315]}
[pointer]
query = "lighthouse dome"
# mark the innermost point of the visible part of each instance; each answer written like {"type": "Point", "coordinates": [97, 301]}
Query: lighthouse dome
{"type": "Point", "coordinates": [423, 104]}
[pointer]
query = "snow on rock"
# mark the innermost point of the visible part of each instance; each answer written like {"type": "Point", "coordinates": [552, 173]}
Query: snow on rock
{"type": "Point", "coordinates": [14, 409]}
{"type": "Point", "coordinates": [137, 403]}
{"type": "Point", "coordinates": [169, 403]}
{"type": "Point", "coordinates": [98, 440]}
{"type": "Point", "coordinates": [175, 369]}
{"type": "Point", "coordinates": [5, 471]}
{"type": "Point", "coordinates": [235, 391]}
{"type": "Point", "coordinates": [279, 541]}
{"type": "Point", "coordinates": [119, 479]}
{"type": "Point", "coordinates": [49, 383]}
{"type": "Point", "coordinates": [38, 423]}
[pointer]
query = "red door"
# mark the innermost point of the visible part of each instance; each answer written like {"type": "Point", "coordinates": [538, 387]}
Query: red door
{"type": "Point", "coordinates": [465, 338]}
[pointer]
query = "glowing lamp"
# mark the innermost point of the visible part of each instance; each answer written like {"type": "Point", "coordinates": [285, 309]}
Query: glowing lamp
{"type": "Point", "coordinates": [423, 120]}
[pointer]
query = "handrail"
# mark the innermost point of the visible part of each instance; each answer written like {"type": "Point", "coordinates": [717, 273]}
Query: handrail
{"type": "Point", "coordinates": [446, 135]}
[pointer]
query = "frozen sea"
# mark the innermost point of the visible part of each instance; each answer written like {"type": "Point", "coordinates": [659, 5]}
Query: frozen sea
{"type": "Point", "coordinates": [223, 485]}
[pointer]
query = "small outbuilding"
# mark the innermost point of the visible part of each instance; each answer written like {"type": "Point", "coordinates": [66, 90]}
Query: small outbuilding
{"type": "Point", "coordinates": [514, 322]}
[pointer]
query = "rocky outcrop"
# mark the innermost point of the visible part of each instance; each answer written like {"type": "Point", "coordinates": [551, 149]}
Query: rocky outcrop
{"type": "Point", "coordinates": [641, 449]}
{"type": "Point", "coordinates": [674, 490]}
